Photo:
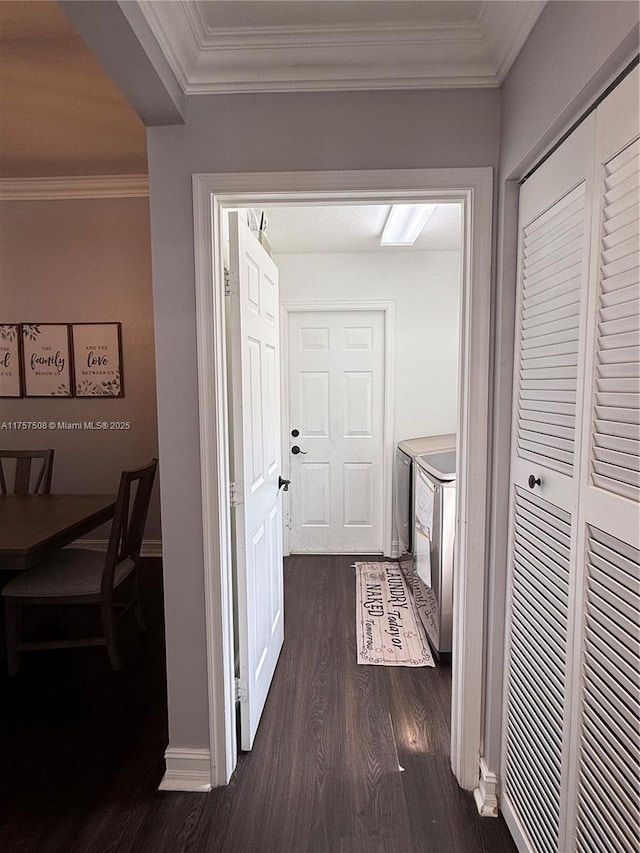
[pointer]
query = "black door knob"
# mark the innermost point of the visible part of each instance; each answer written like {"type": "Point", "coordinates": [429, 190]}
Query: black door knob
{"type": "Point", "coordinates": [283, 484]}
{"type": "Point", "coordinates": [533, 482]}
{"type": "Point", "coordinates": [295, 433]}
{"type": "Point", "coordinates": [295, 450]}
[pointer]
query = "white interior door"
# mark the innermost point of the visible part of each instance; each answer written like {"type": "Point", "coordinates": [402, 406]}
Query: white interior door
{"type": "Point", "coordinates": [255, 413]}
{"type": "Point", "coordinates": [336, 405]}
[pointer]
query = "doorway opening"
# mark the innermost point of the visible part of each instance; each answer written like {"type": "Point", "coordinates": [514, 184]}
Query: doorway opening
{"type": "Point", "coordinates": [212, 195]}
{"type": "Point", "coordinates": [316, 293]}
{"type": "Point", "coordinates": [369, 343]}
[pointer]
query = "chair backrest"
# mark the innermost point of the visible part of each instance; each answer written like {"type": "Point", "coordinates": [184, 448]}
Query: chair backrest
{"type": "Point", "coordinates": [28, 479]}
{"type": "Point", "coordinates": [127, 530]}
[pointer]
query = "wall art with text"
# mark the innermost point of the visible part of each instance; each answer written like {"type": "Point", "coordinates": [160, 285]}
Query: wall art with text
{"type": "Point", "coordinates": [61, 360]}
{"type": "Point", "coordinates": [97, 359]}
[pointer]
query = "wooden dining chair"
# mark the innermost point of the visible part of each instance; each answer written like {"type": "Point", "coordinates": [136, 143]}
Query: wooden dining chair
{"type": "Point", "coordinates": [28, 478]}
{"type": "Point", "coordinates": [85, 576]}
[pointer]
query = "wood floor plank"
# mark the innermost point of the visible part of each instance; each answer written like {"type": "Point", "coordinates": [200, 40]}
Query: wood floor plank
{"type": "Point", "coordinates": [347, 758]}
{"type": "Point", "coordinates": [420, 705]}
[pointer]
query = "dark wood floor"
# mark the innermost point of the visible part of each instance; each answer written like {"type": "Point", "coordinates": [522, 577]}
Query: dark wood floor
{"type": "Point", "coordinates": [348, 758]}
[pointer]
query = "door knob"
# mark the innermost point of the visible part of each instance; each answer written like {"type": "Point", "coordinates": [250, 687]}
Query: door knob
{"type": "Point", "coordinates": [283, 484]}
{"type": "Point", "coordinates": [533, 482]}
{"type": "Point", "coordinates": [295, 433]}
{"type": "Point", "coordinates": [295, 450]}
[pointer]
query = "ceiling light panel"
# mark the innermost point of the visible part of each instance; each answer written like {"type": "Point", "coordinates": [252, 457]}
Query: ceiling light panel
{"type": "Point", "coordinates": [405, 223]}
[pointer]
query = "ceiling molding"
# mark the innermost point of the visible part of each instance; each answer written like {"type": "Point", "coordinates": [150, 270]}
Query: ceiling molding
{"type": "Point", "coordinates": [74, 187]}
{"type": "Point", "coordinates": [329, 57]}
{"type": "Point", "coordinates": [507, 37]}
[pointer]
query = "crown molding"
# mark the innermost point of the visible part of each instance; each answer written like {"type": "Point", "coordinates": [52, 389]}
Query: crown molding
{"type": "Point", "coordinates": [206, 60]}
{"type": "Point", "coordinates": [74, 186]}
{"type": "Point", "coordinates": [505, 34]}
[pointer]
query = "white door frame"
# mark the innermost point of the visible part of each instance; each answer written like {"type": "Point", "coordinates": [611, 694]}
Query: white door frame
{"type": "Point", "coordinates": [387, 307]}
{"type": "Point", "coordinates": [212, 193]}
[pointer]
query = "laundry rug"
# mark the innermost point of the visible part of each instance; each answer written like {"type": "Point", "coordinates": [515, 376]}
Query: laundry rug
{"type": "Point", "coordinates": [389, 632]}
{"type": "Point", "coordinates": [423, 599]}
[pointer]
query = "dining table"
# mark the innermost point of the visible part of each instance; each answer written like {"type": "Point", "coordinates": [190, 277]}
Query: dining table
{"type": "Point", "coordinates": [33, 527]}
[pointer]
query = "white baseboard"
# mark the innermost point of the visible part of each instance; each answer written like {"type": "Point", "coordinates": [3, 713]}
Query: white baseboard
{"type": "Point", "coordinates": [150, 547]}
{"type": "Point", "coordinates": [486, 794]}
{"type": "Point", "coordinates": [395, 549]}
{"type": "Point", "coordinates": [187, 770]}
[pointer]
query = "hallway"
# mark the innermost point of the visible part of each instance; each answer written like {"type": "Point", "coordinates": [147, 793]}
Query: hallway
{"type": "Point", "coordinates": [324, 775]}
{"type": "Point", "coordinates": [82, 748]}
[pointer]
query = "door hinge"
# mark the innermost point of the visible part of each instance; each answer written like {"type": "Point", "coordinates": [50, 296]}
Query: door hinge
{"type": "Point", "coordinates": [227, 282]}
{"type": "Point", "coordinates": [234, 494]}
{"type": "Point", "coordinates": [241, 690]}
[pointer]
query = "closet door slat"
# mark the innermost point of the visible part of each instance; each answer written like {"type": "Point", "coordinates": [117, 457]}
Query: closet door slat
{"type": "Point", "coordinates": [609, 789]}
{"type": "Point", "coordinates": [549, 324]}
{"type": "Point", "coordinates": [615, 467]}
{"type": "Point", "coordinates": [537, 675]}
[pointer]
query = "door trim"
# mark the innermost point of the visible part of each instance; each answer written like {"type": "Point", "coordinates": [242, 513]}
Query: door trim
{"type": "Point", "coordinates": [387, 307]}
{"type": "Point", "coordinates": [212, 193]}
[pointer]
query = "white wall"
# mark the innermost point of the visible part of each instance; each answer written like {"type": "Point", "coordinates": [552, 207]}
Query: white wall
{"type": "Point", "coordinates": [425, 287]}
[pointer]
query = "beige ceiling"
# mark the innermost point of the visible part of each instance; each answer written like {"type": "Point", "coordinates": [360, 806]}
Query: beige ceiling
{"type": "Point", "coordinates": [59, 112]}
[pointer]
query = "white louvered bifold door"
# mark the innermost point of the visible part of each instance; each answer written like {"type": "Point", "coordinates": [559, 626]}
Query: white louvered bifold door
{"type": "Point", "coordinates": [570, 775]}
{"type": "Point", "coordinates": [555, 212]}
{"type": "Point", "coordinates": [607, 684]}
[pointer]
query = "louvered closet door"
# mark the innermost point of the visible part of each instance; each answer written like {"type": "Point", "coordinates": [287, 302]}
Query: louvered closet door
{"type": "Point", "coordinates": [555, 214]}
{"type": "Point", "coordinates": [608, 730]}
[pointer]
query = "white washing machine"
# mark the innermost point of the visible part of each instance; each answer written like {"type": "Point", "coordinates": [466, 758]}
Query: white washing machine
{"type": "Point", "coordinates": [403, 484]}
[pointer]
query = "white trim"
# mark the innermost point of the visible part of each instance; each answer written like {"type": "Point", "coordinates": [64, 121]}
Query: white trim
{"type": "Point", "coordinates": [486, 794]}
{"type": "Point", "coordinates": [215, 479]}
{"type": "Point", "coordinates": [187, 770]}
{"type": "Point", "coordinates": [212, 193]}
{"type": "Point", "coordinates": [387, 307]}
{"type": "Point", "coordinates": [150, 547]}
{"type": "Point", "coordinates": [74, 186]}
{"type": "Point", "coordinates": [505, 36]}
{"type": "Point", "coordinates": [472, 484]}
{"type": "Point", "coordinates": [338, 57]}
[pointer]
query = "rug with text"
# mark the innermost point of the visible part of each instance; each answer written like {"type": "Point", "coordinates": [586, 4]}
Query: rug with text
{"type": "Point", "coordinates": [389, 631]}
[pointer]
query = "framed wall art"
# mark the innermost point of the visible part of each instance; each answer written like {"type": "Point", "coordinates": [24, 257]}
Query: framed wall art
{"type": "Point", "coordinates": [10, 373]}
{"type": "Point", "coordinates": [46, 362]}
{"type": "Point", "coordinates": [97, 357]}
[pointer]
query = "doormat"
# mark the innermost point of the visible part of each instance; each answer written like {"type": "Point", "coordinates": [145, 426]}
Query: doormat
{"type": "Point", "coordinates": [389, 632]}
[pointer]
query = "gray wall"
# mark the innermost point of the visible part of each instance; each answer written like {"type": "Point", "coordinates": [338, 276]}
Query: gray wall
{"type": "Point", "coordinates": [575, 50]}
{"type": "Point", "coordinates": [253, 133]}
{"type": "Point", "coordinates": [82, 261]}
{"type": "Point", "coordinates": [569, 56]}
{"type": "Point", "coordinates": [566, 59]}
